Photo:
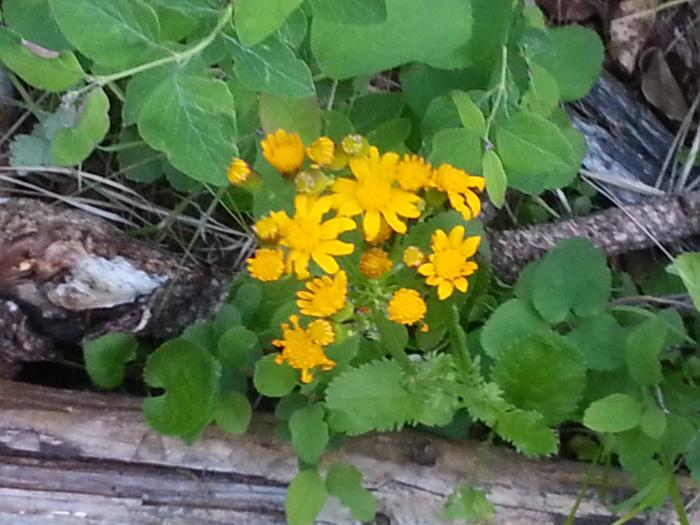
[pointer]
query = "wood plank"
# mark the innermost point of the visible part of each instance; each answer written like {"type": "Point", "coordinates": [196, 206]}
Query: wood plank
{"type": "Point", "coordinates": [76, 457]}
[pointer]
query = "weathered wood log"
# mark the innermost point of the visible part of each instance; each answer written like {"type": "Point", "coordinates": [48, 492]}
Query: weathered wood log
{"type": "Point", "coordinates": [81, 458]}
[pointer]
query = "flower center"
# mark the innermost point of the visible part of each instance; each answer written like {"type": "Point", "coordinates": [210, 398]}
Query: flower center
{"type": "Point", "coordinates": [303, 235]}
{"type": "Point", "coordinates": [448, 264]}
{"type": "Point", "coordinates": [374, 195]}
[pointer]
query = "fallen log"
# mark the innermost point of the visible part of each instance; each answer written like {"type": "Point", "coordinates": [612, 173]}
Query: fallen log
{"type": "Point", "coordinates": [71, 457]}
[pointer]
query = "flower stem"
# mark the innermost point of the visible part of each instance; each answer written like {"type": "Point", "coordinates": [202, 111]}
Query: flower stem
{"type": "Point", "coordinates": [500, 91]}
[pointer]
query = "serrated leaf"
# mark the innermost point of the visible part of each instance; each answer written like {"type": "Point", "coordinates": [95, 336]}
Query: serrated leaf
{"type": "Point", "coordinates": [574, 58]}
{"type": "Point", "coordinates": [469, 113]}
{"type": "Point", "coordinates": [309, 432]}
{"type": "Point", "coordinates": [527, 432]}
{"type": "Point", "coordinates": [344, 50]}
{"type": "Point", "coordinates": [642, 348]}
{"type": "Point", "coordinates": [255, 20]}
{"type": "Point", "coordinates": [190, 377]}
{"type": "Point", "coordinates": [350, 12]}
{"type": "Point", "coordinates": [106, 358]}
{"type": "Point", "coordinates": [233, 412]}
{"type": "Point", "coordinates": [50, 73]}
{"type": "Point", "coordinates": [273, 380]}
{"type": "Point", "coordinates": [302, 115]}
{"type": "Point", "coordinates": [30, 150]}
{"type": "Point", "coordinates": [32, 20]}
{"type": "Point", "coordinates": [345, 483]}
{"type": "Point", "coordinates": [601, 341]}
{"type": "Point", "coordinates": [459, 147]}
{"type": "Point", "coordinates": [371, 397]}
{"type": "Point", "coordinates": [687, 266]}
{"type": "Point", "coordinates": [468, 503]}
{"type": "Point", "coordinates": [558, 291]}
{"type": "Point", "coordinates": [512, 321]}
{"type": "Point", "coordinates": [93, 27]}
{"type": "Point", "coordinates": [495, 177]}
{"type": "Point", "coordinates": [235, 347]}
{"type": "Point", "coordinates": [542, 373]}
{"type": "Point", "coordinates": [271, 67]}
{"type": "Point", "coordinates": [614, 413]}
{"type": "Point", "coordinates": [535, 153]}
{"type": "Point", "coordinates": [305, 498]}
{"type": "Point", "coordinates": [72, 145]}
{"type": "Point", "coordinates": [191, 119]}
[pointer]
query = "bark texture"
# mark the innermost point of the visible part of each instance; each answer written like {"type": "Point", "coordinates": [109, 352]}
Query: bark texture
{"type": "Point", "coordinates": [71, 458]}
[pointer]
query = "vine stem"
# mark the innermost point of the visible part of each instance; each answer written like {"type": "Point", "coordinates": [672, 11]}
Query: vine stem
{"type": "Point", "coordinates": [678, 501]}
{"type": "Point", "coordinates": [101, 80]}
{"type": "Point", "coordinates": [500, 91]}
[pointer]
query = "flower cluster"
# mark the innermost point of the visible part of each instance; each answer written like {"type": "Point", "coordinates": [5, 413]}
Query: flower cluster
{"type": "Point", "coordinates": [349, 237]}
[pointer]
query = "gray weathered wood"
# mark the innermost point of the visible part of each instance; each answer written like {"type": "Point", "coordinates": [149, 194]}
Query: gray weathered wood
{"type": "Point", "coordinates": [81, 458]}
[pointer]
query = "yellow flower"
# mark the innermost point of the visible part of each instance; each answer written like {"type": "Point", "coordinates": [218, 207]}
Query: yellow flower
{"type": "Point", "coordinates": [459, 186]}
{"type": "Point", "coordinates": [266, 228]}
{"type": "Point", "coordinates": [308, 237]}
{"type": "Point", "coordinates": [322, 151]}
{"type": "Point", "coordinates": [413, 173]}
{"type": "Point", "coordinates": [413, 257]}
{"type": "Point", "coordinates": [238, 172]}
{"type": "Point", "coordinates": [321, 332]}
{"type": "Point", "coordinates": [324, 296]}
{"type": "Point", "coordinates": [301, 349]}
{"type": "Point", "coordinates": [355, 145]}
{"type": "Point", "coordinates": [449, 265]}
{"type": "Point", "coordinates": [284, 151]}
{"type": "Point", "coordinates": [407, 307]}
{"type": "Point", "coordinates": [384, 234]}
{"type": "Point", "coordinates": [374, 263]}
{"type": "Point", "coordinates": [267, 265]}
{"type": "Point", "coordinates": [373, 192]}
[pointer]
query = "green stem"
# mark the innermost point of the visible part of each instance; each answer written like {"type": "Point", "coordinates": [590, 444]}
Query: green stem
{"type": "Point", "coordinates": [500, 91]}
{"type": "Point", "coordinates": [678, 502]}
{"type": "Point", "coordinates": [181, 56]}
{"type": "Point", "coordinates": [459, 339]}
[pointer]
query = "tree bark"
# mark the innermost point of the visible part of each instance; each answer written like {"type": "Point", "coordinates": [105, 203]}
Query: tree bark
{"type": "Point", "coordinates": [82, 458]}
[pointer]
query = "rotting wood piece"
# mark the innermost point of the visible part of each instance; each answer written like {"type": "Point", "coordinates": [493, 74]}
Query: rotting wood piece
{"type": "Point", "coordinates": [66, 275]}
{"type": "Point", "coordinates": [74, 457]}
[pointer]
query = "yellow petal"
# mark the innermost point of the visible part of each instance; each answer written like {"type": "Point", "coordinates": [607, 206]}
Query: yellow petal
{"type": "Point", "coordinates": [371, 223]}
{"type": "Point", "coordinates": [426, 269]}
{"type": "Point", "coordinates": [394, 222]}
{"type": "Point", "coordinates": [439, 241]}
{"type": "Point", "coordinates": [456, 236]}
{"type": "Point", "coordinates": [473, 202]}
{"type": "Point", "coordinates": [470, 246]}
{"type": "Point", "coordinates": [349, 208]}
{"type": "Point", "coordinates": [445, 289]}
{"type": "Point", "coordinates": [461, 284]}
{"type": "Point", "coordinates": [476, 182]}
{"type": "Point", "coordinates": [337, 247]}
{"type": "Point", "coordinates": [327, 263]}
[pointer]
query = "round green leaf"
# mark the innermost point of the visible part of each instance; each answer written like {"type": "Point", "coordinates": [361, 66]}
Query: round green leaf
{"type": "Point", "coordinates": [642, 349]}
{"type": "Point", "coordinates": [235, 347]}
{"type": "Point", "coordinates": [653, 422]}
{"type": "Point", "coordinates": [233, 412]}
{"type": "Point", "coordinates": [615, 413]}
{"type": "Point", "coordinates": [309, 433]}
{"type": "Point", "coordinates": [305, 498]}
{"type": "Point", "coordinates": [190, 377]}
{"type": "Point", "coordinates": [255, 20]}
{"type": "Point", "coordinates": [459, 147]}
{"type": "Point", "coordinates": [106, 358]}
{"type": "Point", "coordinates": [543, 95]}
{"type": "Point", "coordinates": [512, 321]}
{"type": "Point", "coordinates": [599, 340]}
{"type": "Point", "coordinates": [274, 380]}
{"type": "Point", "coordinates": [345, 483]}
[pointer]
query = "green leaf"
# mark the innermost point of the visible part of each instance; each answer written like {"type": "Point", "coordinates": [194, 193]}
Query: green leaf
{"type": "Point", "coordinates": [235, 347]}
{"type": "Point", "coordinates": [390, 136]}
{"type": "Point", "coordinates": [30, 150]}
{"type": "Point", "coordinates": [471, 116]}
{"type": "Point", "coordinates": [247, 299]}
{"type": "Point", "coordinates": [43, 69]}
{"type": "Point", "coordinates": [94, 26]}
{"type": "Point", "coordinates": [512, 321]}
{"type": "Point", "coordinates": [642, 349]}
{"type": "Point", "coordinates": [614, 413]}
{"type": "Point", "coordinates": [191, 120]}
{"type": "Point", "coordinates": [302, 115]}
{"type": "Point", "coordinates": [687, 265]}
{"type": "Point", "coordinates": [106, 358]}
{"type": "Point", "coordinates": [527, 432]}
{"type": "Point", "coordinates": [138, 162]}
{"type": "Point", "coordinates": [558, 291]}
{"type": "Point", "coordinates": [600, 340]}
{"type": "Point", "coordinates": [309, 433]}
{"type": "Point", "coordinates": [544, 374]}
{"type": "Point", "coordinates": [371, 397]}
{"type": "Point", "coordinates": [458, 147]}
{"type": "Point", "coordinates": [468, 503]}
{"type": "Point", "coordinates": [255, 20]}
{"type": "Point", "coordinates": [194, 8]}
{"type": "Point", "coordinates": [233, 412]}
{"type": "Point", "coordinates": [271, 67]}
{"type": "Point", "coordinates": [392, 336]}
{"type": "Point", "coordinates": [345, 483]}
{"type": "Point", "coordinates": [369, 111]}
{"type": "Point", "coordinates": [273, 380]}
{"type": "Point", "coordinates": [350, 12]}
{"type": "Point", "coordinates": [574, 59]}
{"type": "Point", "coordinates": [305, 498]}
{"type": "Point", "coordinates": [344, 50]}
{"type": "Point", "coordinates": [73, 144]}
{"type": "Point", "coordinates": [535, 152]}
{"type": "Point", "coordinates": [190, 377]}
{"type": "Point", "coordinates": [32, 20]}
{"type": "Point", "coordinates": [440, 114]}
{"type": "Point", "coordinates": [653, 422]}
{"type": "Point", "coordinates": [495, 176]}
{"type": "Point", "coordinates": [543, 95]}
{"type": "Point", "coordinates": [693, 457]}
